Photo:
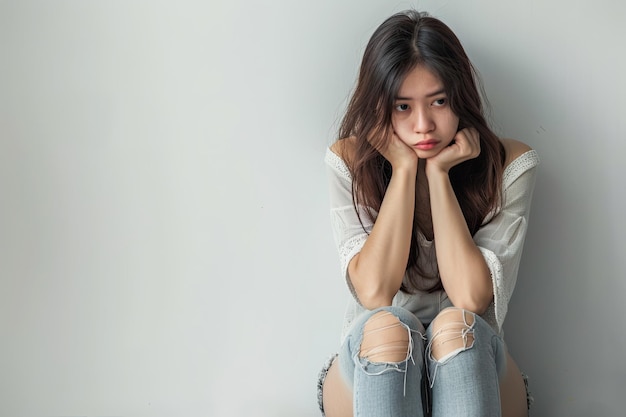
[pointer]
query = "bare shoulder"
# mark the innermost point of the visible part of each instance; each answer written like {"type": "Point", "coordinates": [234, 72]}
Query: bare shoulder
{"type": "Point", "coordinates": [344, 148]}
{"type": "Point", "coordinates": [513, 149]}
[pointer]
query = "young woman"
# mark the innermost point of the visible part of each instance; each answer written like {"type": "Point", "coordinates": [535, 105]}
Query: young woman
{"type": "Point", "coordinates": [429, 210]}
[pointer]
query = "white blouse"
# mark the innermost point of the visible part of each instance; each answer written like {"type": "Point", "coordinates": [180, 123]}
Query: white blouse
{"type": "Point", "coordinates": [501, 240]}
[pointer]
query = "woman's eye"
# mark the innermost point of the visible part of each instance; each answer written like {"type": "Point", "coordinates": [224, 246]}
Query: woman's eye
{"type": "Point", "coordinates": [440, 102]}
{"type": "Point", "coordinates": [402, 107]}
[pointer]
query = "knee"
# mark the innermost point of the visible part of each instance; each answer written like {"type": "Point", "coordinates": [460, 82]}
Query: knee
{"type": "Point", "coordinates": [452, 332]}
{"type": "Point", "coordinates": [385, 339]}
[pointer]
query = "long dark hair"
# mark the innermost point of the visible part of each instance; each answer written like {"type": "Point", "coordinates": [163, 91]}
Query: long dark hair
{"type": "Point", "coordinates": [398, 45]}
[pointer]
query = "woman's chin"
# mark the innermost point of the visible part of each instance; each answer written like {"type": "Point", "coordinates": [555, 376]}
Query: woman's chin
{"type": "Point", "coordinates": [425, 154]}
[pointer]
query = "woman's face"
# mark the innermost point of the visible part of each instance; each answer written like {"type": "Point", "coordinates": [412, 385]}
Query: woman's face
{"type": "Point", "coordinates": [422, 117]}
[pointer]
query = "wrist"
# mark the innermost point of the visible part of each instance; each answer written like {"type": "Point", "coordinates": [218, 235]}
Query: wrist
{"type": "Point", "coordinates": [434, 171]}
{"type": "Point", "coordinates": [405, 165]}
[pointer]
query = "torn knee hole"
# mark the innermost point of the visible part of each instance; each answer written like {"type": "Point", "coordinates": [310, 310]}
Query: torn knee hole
{"type": "Point", "coordinates": [453, 331]}
{"type": "Point", "coordinates": [385, 339]}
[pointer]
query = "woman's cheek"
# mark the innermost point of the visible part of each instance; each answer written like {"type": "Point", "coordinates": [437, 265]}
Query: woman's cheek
{"type": "Point", "coordinates": [401, 133]}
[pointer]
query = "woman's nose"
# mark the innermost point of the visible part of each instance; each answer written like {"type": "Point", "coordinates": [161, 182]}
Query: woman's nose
{"type": "Point", "coordinates": [422, 122]}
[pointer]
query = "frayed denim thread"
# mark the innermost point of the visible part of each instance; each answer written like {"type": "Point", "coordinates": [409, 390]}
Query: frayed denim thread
{"type": "Point", "coordinates": [463, 334]}
{"type": "Point", "coordinates": [364, 363]}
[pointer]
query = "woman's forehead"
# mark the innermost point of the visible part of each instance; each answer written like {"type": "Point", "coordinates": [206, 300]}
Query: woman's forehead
{"type": "Point", "coordinates": [420, 82]}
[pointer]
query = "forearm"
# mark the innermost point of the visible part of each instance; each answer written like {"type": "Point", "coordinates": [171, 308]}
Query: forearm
{"type": "Point", "coordinates": [464, 273]}
{"type": "Point", "coordinates": [377, 271]}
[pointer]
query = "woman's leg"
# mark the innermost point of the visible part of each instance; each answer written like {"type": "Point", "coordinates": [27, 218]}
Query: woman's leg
{"type": "Point", "coordinates": [379, 366]}
{"type": "Point", "coordinates": [337, 397]}
{"type": "Point", "coordinates": [465, 358]}
{"type": "Point", "coordinates": [513, 395]}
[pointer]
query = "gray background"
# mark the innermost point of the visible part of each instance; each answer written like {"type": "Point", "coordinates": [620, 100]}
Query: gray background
{"type": "Point", "coordinates": [165, 246]}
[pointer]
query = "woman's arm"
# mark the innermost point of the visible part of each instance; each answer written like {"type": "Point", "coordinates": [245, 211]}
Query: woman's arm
{"type": "Point", "coordinates": [376, 272]}
{"type": "Point", "coordinates": [464, 273]}
{"type": "Point", "coordinates": [462, 267]}
{"type": "Point", "coordinates": [466, 267]}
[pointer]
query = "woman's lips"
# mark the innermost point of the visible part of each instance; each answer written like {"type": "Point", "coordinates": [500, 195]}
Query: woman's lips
{"type": "Point", "coordinates": [426, 144]}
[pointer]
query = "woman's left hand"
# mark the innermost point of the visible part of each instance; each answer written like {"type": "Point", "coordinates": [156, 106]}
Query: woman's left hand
{"type": "Point", "coordinates": [464, 146]}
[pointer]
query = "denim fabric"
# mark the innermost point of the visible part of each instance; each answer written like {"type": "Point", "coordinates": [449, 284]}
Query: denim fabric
{"type": "Point", "coordinates": [464, 383]}
{"type": "Point", "coordinates": [384, 389]}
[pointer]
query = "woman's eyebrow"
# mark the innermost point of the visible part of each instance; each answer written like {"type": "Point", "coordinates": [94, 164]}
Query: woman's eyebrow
{"type": "Point", "coordinates": [434, 93]}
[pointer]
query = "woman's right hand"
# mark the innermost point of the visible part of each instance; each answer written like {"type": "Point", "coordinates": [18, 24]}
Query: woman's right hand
{"type": "Point", "coordinates": [399, 154]}
{"type": "Point", "coordinates": [376, 272]}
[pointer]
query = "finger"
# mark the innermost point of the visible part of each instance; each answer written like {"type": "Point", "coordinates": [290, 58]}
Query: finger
{"type": "Point", "coordinates": [474, 142]}
{"type": "Point", "coordinates": [471, 133]}
{"type": "Point", "coordinates": [468, 140]}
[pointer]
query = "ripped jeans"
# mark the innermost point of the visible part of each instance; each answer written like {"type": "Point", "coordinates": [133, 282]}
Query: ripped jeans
{"type": "Point", "coordinates": [397, 374]}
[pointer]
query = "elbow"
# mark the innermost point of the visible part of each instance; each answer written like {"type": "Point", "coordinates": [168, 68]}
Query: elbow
{"type": "Point", "coordinates": [372, 303]}
{"type": "Point", "coordinates": [372, 292]}
{"type": "Point", "coordinates": [473, 292]}
{"type": "Point", "coordinates": [476, 306]}
{"type": "Point", "coordinates": [373, 298]}
{"type": "Point", "coordinates": [475, 298]}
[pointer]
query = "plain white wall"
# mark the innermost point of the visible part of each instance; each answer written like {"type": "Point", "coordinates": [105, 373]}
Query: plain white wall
{"type": "Point", "coordinates": [163, 198]}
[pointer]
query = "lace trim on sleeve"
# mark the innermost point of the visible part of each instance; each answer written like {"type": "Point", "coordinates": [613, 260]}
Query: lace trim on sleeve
{"type": "Point", "coordinates": [518, 166]}
{"type": "Point", "coordinates": [348, 232]}
{"type": "Point", "coordinates": [500, 293]}
{"type": "Point", "coordinates": [347, 251]}
{"type": "Point", "coordinates": [338, 164]}
{"type": "Point", "coordinates": [347, 247]}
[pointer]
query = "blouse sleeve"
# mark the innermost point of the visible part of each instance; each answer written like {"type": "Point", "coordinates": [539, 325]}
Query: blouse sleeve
{"type": "Point", "coordinates": [501, 240]}
{"type": "Point", "coordinates": [348, 232]}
